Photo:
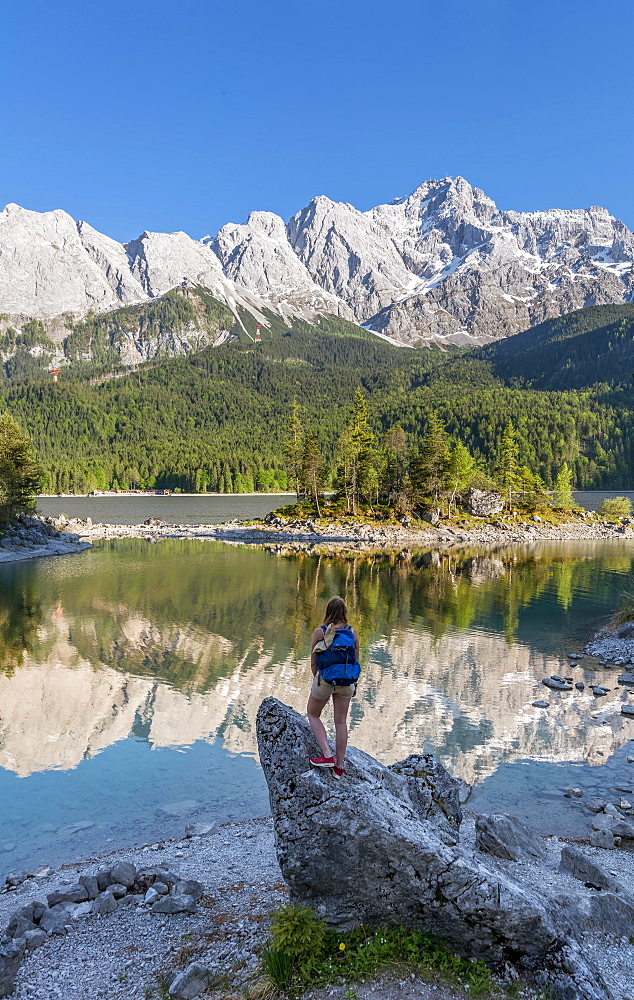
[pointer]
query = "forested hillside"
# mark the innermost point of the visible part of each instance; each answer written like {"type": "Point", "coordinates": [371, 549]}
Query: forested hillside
{"type": "Point", "coordinates": [217, 419]}
{"type": "Point", "coordinates": [586, 347]}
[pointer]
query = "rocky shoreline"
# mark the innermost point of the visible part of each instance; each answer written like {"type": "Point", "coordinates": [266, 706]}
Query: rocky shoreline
{"type": "Point", "coordinates": [124, 943]}
{"type": "Point", "coordinates": [302, 533]}
{"type": "Point", "coordinates": [29, 537]}
{"type": "Point", "coordinates": [129, 950]}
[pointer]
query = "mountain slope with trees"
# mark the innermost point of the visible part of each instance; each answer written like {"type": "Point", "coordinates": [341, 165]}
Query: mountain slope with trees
{"type": "Point", "coordinates": [217, 419]}
{"type": "Point", "coordinates": [579, 350]}
{"type": "Point", "coordinates": [181, 321]}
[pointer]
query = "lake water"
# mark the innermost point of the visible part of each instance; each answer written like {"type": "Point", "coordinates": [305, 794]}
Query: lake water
{"type": "Point", "coordinates": [203, 508]}
{"type": "Point", "coordinates": [199, 509]}
{"type": "Point", "coordinates": [131, 674]}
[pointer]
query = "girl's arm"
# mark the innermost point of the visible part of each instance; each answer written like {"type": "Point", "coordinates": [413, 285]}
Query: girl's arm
{"type": "Point", "coordinates": [356, 644]}
{"type": "Point", "coordinates": [317, 635]}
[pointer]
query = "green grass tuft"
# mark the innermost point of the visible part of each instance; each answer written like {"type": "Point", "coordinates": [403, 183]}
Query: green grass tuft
{"type": "Point", "coordinates": [306, 954]}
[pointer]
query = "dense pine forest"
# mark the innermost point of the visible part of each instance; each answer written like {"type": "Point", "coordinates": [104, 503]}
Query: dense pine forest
{"type": "Point", "coordinates": [218, 418]}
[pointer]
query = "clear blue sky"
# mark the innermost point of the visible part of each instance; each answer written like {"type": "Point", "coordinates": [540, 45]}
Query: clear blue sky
{"type": "Point", "coordinates": [186, 115]}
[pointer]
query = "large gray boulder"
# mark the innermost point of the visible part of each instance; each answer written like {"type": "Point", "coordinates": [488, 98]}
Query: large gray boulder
{"type": "Point", "coordinates": [104, 903]}
{"type": "Point", "coordinates": [482, 503]}
{"type": "Point", "coordinates": [89, 883]}
{"type": "Point", "coordinates": [31, 913]}
{"type": "Point", "coordinates": [380, 847]}
{"type": "Point", "coordinates": [189, 887]}
{"type": "Point", "coordinates": [123, 873]}
{"type": "Point", "coordinates": [175, 904]}
{"type": "Point", "coordinates": [56, 919]}
{"type": "Point", "coordinates": [190, 983]}
{"type": "Point", "coordinates": [595, 912]}
{"type": "Point", "coordinates": [574, 862]}
{"type": "Point", "coordinates": [507, 837]}
{"type": "Point", "coordinates": [74, 894]}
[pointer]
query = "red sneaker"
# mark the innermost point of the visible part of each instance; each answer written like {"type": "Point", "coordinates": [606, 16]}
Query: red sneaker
{"type": "Point", "coordinates": [323, 761]}
{"type": "Point", "coordinates": [338, 772]}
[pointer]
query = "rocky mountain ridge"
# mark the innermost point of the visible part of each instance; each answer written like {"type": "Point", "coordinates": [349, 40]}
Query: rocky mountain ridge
{"type": "Point", "coordinates": [442, 265]}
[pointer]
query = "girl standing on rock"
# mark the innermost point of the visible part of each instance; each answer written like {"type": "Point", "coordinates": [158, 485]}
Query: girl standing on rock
{"type": "Point", "coordinates": [334, 661]}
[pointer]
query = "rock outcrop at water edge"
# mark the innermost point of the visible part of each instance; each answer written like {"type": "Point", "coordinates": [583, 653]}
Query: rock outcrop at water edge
{"type": "Point", "coordinates": [28, 537]}
{"type": "Point", "coordinates": [382, 847]}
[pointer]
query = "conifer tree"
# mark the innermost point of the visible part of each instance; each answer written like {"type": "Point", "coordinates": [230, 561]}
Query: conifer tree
{"type": "Point", "coordinates": [507, 469]}
{"type": "Point", "coordinates": [429, 466]}
{"type": "Point", "coordinates": [461, 471]}
{"type": "Point", "coordinates": [312, 470]}
{"type": "Point", "coordinates": [531, 489]}
{"type": "Point", "coordinates": [394, 479]}
{"type": "Point", "coordinates": [294, 449]}
{"type": "Point", "coordinates": [563, 488]}
{"type": "Point", "coordinates": [357, 456]}
{"type": "Point", "coordinates": [20, 474]}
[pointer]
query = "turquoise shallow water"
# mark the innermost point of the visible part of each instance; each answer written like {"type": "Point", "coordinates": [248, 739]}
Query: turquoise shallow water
{"type": "Point", "coordinates": [130, 676]}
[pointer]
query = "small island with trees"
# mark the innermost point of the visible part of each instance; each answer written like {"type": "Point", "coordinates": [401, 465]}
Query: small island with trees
{"type": "Point", "coordinates": [433, 480]}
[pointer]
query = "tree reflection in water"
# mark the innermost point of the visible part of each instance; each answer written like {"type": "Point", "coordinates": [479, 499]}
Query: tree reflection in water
{"type": "Point", "coordinates": [187, 637]}
{"type": "Point", "coordinates": [20, 619]}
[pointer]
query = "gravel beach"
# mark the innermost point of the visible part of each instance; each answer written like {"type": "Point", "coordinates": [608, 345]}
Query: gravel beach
{"type": "Point", "coordinates": [132, 953]}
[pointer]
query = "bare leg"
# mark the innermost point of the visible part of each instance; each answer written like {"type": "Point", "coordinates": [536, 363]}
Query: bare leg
{"type": "Point", "coordinates": [313, 711]}
{"type": "Point", "coordinates": [340, 706]}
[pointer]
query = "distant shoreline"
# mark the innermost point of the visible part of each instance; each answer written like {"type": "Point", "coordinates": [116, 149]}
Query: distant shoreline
{"type": "Point", "coordinates": [145, 496]}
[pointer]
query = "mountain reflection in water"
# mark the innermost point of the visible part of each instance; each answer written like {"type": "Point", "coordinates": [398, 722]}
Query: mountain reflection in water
{"type": "Point", "coordinates": [180, 641]}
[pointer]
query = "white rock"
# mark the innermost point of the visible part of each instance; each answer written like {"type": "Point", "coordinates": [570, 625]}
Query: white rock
{"type": "Point", "coordinates": [258, 256]}
{"type": "Point", "coordinates": [78, 910]}
{"type": "Point", "coordinates": [348, 254]}
{"type": "Point", "coordinates": [195, 830]}
{"type": "Point", "coordinates": [151, 896]}
{"type": "Point", "coordinates": [44, 267]}
{"type": "Point", "coordinates": [161, 261]}
{"type": "Point", "coordinates": [114, 263]}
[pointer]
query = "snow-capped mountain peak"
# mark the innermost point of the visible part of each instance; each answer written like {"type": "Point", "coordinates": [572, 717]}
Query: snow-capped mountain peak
{"type": "Point", "coordinates": [441, 264]}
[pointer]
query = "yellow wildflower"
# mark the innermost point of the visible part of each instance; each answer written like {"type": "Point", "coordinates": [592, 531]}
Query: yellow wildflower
{"type": "Point", "coordinates": [342, 946]}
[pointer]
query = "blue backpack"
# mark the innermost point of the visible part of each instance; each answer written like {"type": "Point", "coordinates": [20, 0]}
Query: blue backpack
{"type": "Point", "coordinates": [338, 664]}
